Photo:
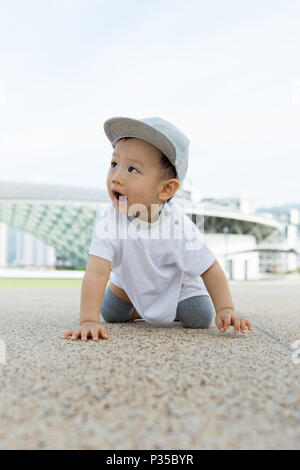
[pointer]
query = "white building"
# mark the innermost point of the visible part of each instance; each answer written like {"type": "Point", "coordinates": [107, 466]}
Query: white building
{"type": "Point", "coordinates": [232, 230]}
{"type": "Point", "coordinates": [236, 254]}
{"type": "Point", "coordinates": [281, 253]}
{"type": "Point", "coordinates": [22, 249]}
{"type": "Point", "coordinates": [3, 245]}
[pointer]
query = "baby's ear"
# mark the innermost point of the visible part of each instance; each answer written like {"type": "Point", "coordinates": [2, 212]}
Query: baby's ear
{"type": "Point", "coordinates": [169, 189]}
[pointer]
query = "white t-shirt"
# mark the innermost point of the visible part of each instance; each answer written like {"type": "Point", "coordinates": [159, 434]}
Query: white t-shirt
{"type": "Point", "coordinates": [151, 261]}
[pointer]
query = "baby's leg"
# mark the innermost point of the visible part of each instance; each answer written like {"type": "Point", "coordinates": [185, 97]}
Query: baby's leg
{"type": "Point", "coordinates": [114, 309]}
{"type": "Point", "coordinates": [196, 312]}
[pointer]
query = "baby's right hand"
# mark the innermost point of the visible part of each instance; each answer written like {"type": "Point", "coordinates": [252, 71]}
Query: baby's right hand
{"type": "Point", "coordinates": [87, 329]}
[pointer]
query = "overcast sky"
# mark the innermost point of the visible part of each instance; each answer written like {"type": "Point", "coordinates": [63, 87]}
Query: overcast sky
{"type": "Point", "coordinates": [226, 72]}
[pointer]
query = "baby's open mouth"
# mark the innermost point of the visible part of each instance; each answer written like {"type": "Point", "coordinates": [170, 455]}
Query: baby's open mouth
{"type": "Point", "coordinates": [118, 195]}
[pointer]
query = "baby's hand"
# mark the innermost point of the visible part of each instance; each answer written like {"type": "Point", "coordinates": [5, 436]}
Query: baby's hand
{"type": "Point", "coordinates": [227, 317]}
{"type": "Point", "coordinates": [87, 329]}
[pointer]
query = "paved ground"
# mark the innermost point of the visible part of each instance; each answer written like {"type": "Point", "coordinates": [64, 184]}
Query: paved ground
{"type": "Point", "coordinates": [148, 387]}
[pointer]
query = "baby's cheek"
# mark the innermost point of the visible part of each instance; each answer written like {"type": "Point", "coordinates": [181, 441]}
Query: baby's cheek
{"type": "Point", "coordinates": [136, 197]}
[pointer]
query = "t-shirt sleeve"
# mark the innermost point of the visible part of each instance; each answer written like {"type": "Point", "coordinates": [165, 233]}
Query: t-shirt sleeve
{"type": "Point", "coordinates": [194, 255]}
{"type": "Point", "coordinates": [104, 243]}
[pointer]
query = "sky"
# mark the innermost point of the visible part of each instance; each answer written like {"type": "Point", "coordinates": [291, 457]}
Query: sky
{"type": "Point", "coordinates": [227, 73]}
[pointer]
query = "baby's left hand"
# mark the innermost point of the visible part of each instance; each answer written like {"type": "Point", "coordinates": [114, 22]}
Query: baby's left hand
{"type": "Point", "coordinates": [227, 317]}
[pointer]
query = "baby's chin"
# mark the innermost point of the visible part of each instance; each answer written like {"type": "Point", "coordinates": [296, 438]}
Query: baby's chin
{"type": "Point", "coordinates": [133, 213]}
{"type": "Point", "coordinates": [123, 207]}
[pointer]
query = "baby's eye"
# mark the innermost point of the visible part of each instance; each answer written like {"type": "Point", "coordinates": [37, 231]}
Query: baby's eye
{"type": "Point", "coordinates": [133, 168]}
{"type": "Point", "coordinates": [112, 164]}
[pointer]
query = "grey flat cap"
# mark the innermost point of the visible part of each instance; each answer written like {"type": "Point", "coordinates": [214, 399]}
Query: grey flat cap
{"type": "Point", "coordinates": [158, 132]}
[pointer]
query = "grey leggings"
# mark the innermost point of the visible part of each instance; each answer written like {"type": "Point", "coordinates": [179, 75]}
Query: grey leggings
{"type": "Point", "coordinates": [194, 312]}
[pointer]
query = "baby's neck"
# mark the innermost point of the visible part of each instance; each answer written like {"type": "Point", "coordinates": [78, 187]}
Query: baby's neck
{"type": "Point", "coordinates": [153, 213]}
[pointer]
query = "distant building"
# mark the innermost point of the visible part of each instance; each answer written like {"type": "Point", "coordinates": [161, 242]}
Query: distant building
{"type": "Point", "coordinates": [232, 230]}
{"type": "Point", "coordinates": [241, 204]}
{"type": "Point", "coordinates": [188, 191]}
{"type": "Point", "coordinates": [278, 253]}
{"type": "Point", "coordinates": [281, 253]}
{"type": "Point", "coordinates": [25, 250]}
{"type": "Point", "coordinates": [3, 245]}
{"type": "Point", "coordinates": [51, 225]}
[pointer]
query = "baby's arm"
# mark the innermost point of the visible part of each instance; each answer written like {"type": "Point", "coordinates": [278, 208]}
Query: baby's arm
{"type": "Point", "coordinates": [216, 283]}
{"type": "Point", "coordinates": [92, 291]}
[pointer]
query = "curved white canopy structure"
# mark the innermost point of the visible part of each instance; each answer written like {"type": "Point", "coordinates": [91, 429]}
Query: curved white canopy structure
{"type": "Point", "coordinates": [64, 216]}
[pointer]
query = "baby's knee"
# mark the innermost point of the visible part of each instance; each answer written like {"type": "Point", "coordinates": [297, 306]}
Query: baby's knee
{"type": "Point", "coordinates": [196, 312]}
{"type": "Point", "coordinates": [117, 315]}
{"type": "Point", "coordinates": [115, 310]}
{"type": "Point", "coordinates": [114, 317]}
{"type": "Point", "coordinates": [193, 320]}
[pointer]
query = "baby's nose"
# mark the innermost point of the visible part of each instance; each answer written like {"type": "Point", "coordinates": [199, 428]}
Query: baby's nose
{"type": "Point", "coordinates": [118, 177]}
{"type": "Point", "coordinates": [119, 182]}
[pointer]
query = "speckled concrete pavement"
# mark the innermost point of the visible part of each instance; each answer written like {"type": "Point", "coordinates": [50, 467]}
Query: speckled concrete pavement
{"type": "Point", "coordinates": [148, 387]}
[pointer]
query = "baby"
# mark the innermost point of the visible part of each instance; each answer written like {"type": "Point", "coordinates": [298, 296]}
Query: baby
{"type": "Point", "coordinates": [161, 267]}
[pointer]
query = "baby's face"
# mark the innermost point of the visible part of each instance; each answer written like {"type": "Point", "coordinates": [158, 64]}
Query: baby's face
{"type": "Point", "coordinates": [135, 173]}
